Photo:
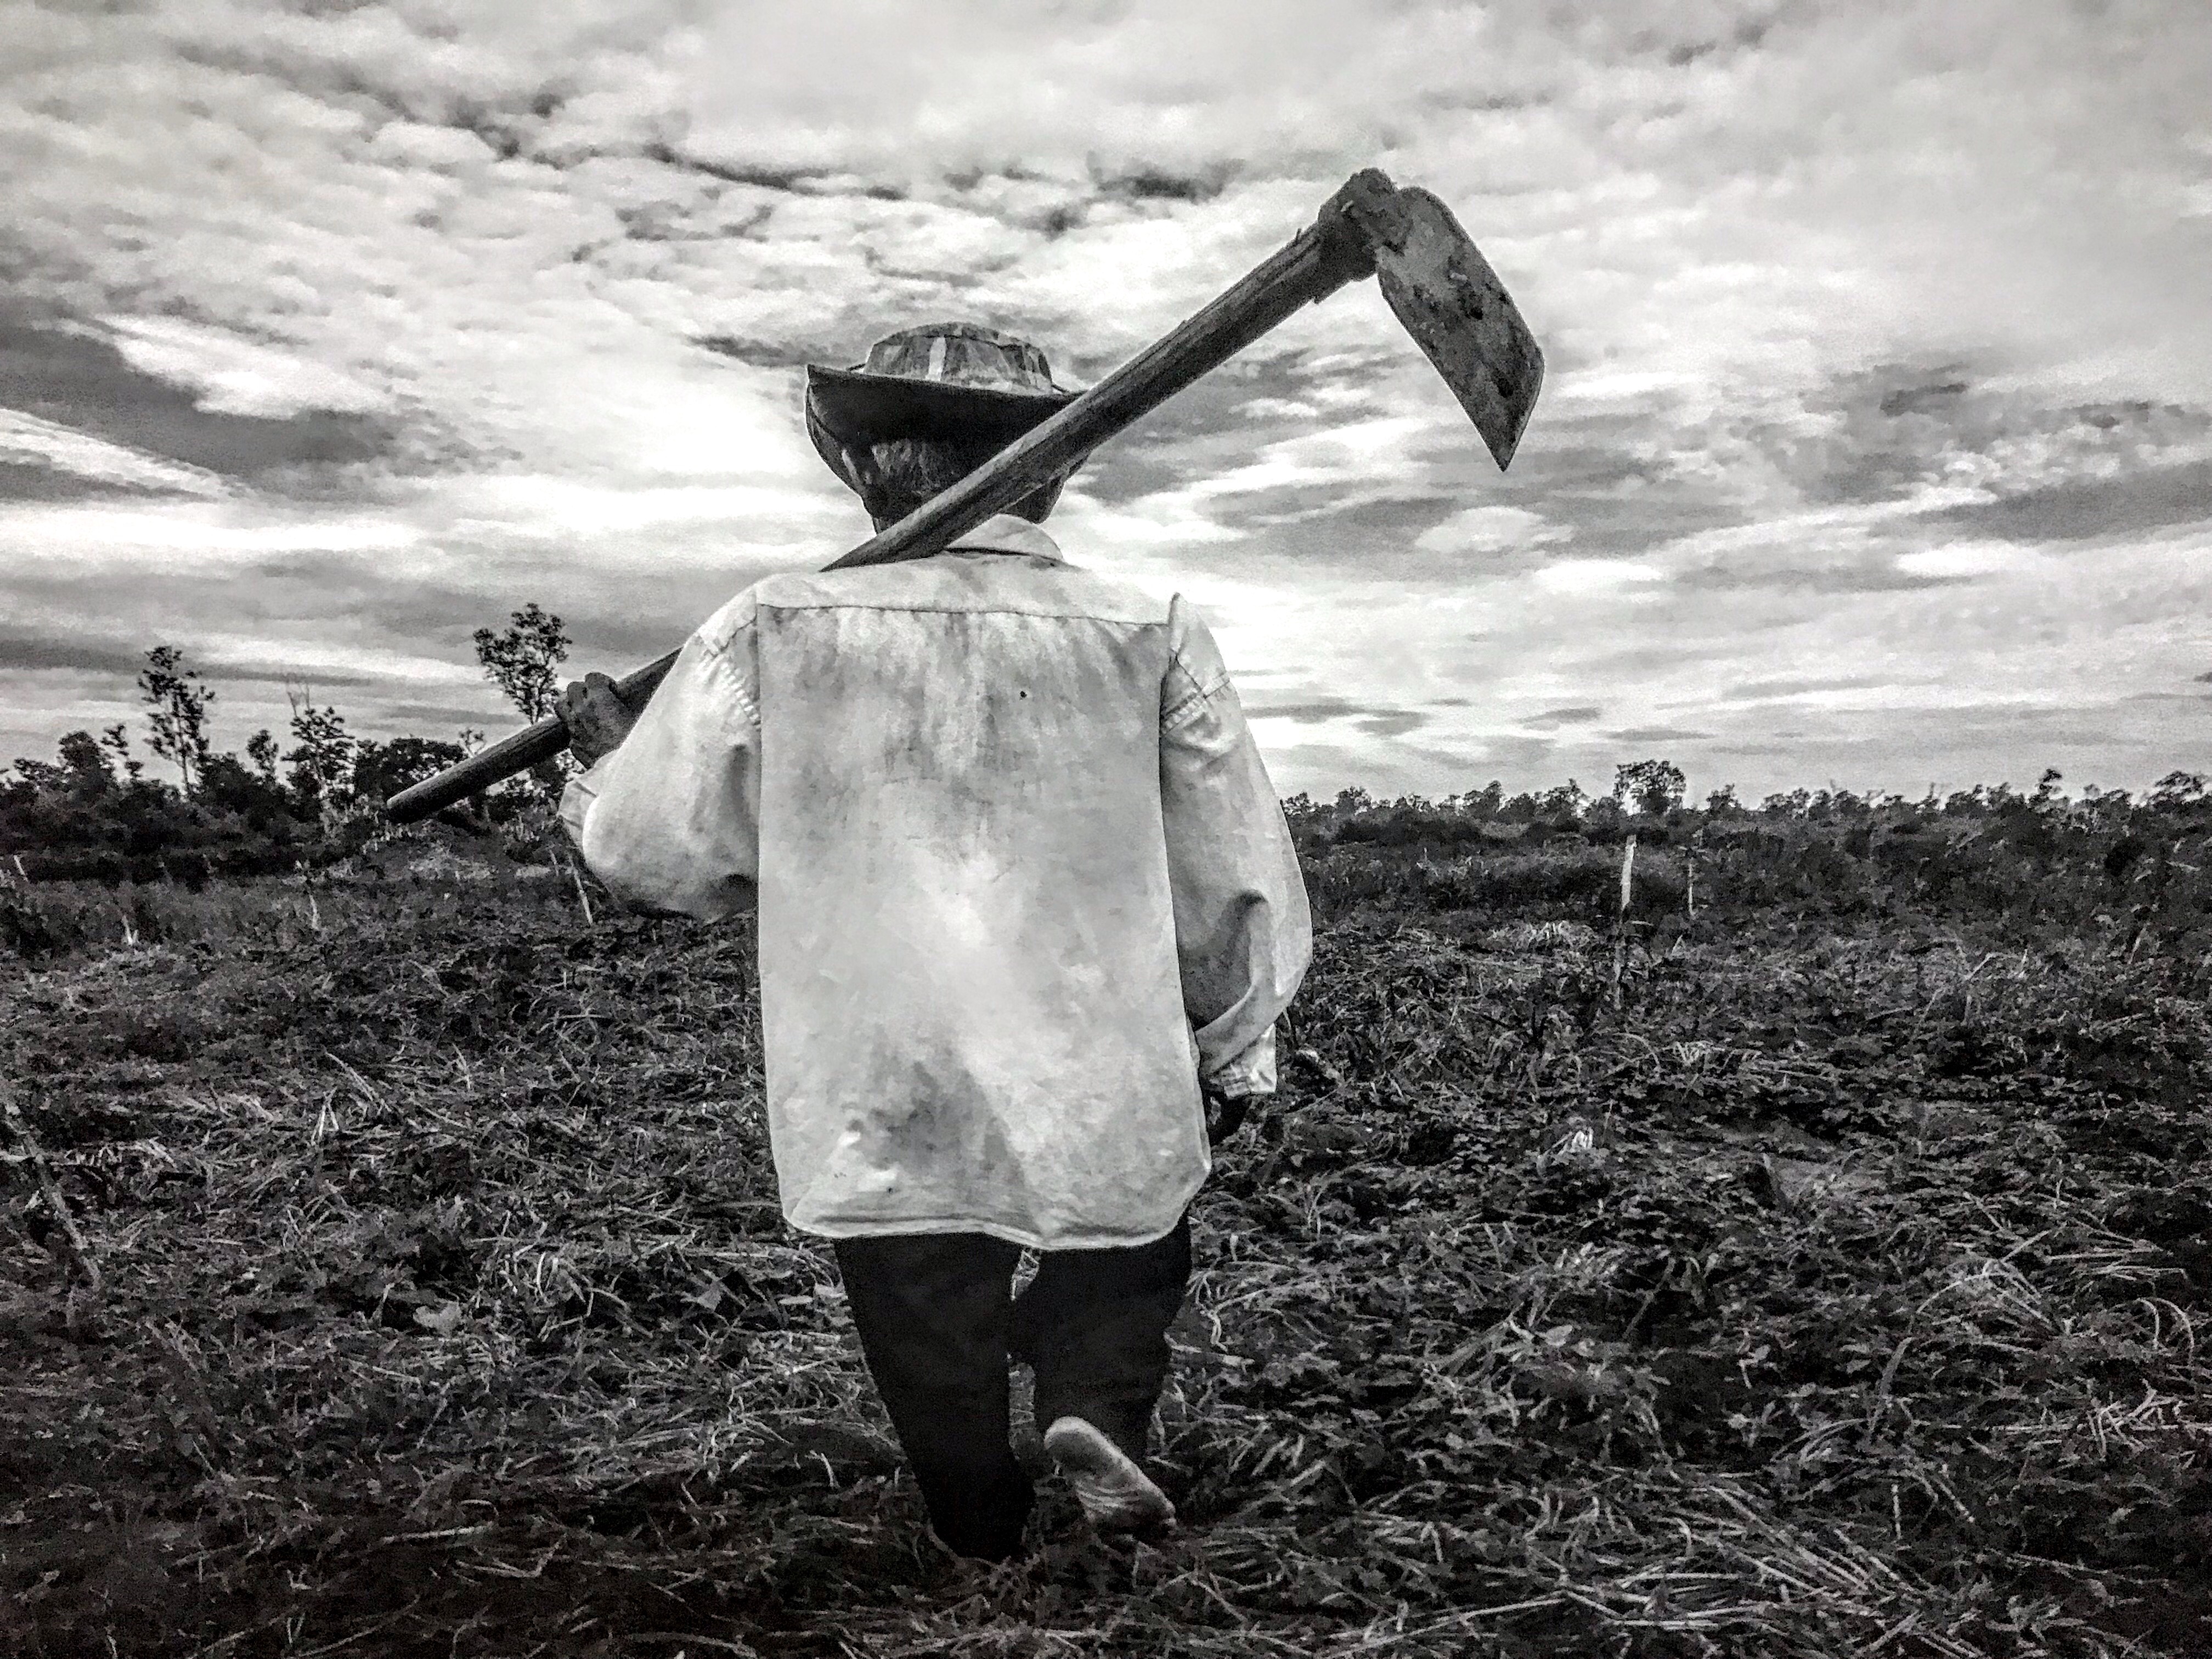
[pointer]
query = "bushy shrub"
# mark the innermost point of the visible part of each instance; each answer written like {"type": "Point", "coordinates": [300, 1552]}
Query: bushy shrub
{"type": "Point", "coordinates": [91, 813]}
{"type": "Point", "coordinates": [29, 930]}
{"type": "Point", "coordinates": [79, 818]}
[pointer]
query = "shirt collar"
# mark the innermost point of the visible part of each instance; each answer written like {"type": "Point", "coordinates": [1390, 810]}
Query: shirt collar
{"type": "Point", "coordinates": [1003, 533]}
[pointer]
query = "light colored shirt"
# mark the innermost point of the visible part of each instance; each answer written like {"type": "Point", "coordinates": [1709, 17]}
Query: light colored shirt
{"type": "Point", "coordinates": [1021, 881]}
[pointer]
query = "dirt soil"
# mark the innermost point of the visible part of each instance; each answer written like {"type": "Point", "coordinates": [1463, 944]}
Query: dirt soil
{"type": "Point", "coordinates": [1834, 1295]}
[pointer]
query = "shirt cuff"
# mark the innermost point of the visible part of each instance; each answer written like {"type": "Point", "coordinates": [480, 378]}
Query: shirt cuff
{"type": "Point", "coordinates": [575, 803]}
{"type": "Point", "coordinates": [1252, 1072]}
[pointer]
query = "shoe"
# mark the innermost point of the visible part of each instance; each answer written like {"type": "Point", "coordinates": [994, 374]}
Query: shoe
{"type": "Point", "coordinates": [1115, 1494]}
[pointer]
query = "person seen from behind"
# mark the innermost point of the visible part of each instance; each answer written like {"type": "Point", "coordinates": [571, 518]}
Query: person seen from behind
{"type": "Point", "coordinates": [1028, 910]}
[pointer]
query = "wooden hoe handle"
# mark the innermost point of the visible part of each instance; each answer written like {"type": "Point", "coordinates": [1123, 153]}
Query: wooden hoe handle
{"type": "Point", "coordinates": [1321, 258]}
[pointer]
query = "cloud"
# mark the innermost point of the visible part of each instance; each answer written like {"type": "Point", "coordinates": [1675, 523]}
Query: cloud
{"type": "Point", "coordinates": [1395, 724]}
{"type": "Point", "coordinates": [1579, 714]}
{"type": "Point", "coordinates": [1304, 714]}
{"type": "Point", "coordinates": [124, 536]}
{"type": "Point", "coordinates": [228, 375]}
{"type": "Point", "coordinates": [30, 652]}
{"type": "Point", "coordinates": [166, 408]}
{"type": "Point", "coordinates": [2140, 499]}
{"type": "Point", "coordinates": [47, 459]}
{"type": "Point", "coordinates": [1595, 575]}
{"type": "Point", "coordinates": [1961, 559]}
{"type": "Point", "coordinates": [1491, 529]}
{"type": "Point", "coordinates": [1777, 691]}
{"type": "Point", "coordinates": [342, 328]}
{"type": "Point", "coordinates": [1366, 719]}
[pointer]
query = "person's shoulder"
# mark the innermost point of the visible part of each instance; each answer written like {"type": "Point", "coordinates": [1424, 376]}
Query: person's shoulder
{"type": "Point", "coordinates": [1068, 582]}
{"type": "Point", "coordinates": [857, 586]}
{"type": "Point", "coordinates": [1106, 598]}
{"type": "Point", "coordinates": [718, 631]}
{"type": "Point", "coordinates": [1195, 656]}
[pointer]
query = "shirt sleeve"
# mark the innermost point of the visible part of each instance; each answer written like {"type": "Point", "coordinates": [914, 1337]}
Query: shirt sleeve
{"type": "Point", "coordinates": [671, 820]}
{"type": "Point", "coordinates": [1243, 930]}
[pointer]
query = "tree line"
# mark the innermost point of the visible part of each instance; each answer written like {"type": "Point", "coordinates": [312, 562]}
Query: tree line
{"type": "Point", "coordinates": [98, 810]}
{"type": "Point", "coordinates": [1649, 799]}
{"type": "Point", "coordinates": [93, 811]}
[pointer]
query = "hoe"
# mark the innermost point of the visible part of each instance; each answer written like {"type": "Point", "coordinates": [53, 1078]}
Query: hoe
{"type": "Point", "coordinates": [1441, 287]}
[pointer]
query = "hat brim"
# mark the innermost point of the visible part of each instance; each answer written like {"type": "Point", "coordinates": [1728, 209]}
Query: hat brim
{"type": "Point", "coordinates": [847, 407]}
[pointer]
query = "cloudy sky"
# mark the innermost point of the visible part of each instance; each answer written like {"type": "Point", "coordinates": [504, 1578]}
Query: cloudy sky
{"type": "Point", "coordinates": [1876, 448]}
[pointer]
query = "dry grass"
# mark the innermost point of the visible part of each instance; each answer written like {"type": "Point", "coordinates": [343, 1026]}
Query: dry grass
{"type": "Point", "coordinates": [1838, 1296]}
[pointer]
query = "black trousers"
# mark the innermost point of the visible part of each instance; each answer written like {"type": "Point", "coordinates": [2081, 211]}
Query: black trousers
{"type": "Point", "coordinates": [939, 1323]}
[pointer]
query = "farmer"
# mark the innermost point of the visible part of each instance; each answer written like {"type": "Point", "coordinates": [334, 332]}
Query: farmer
{"type": "Point", "coordinates": [1027, 910]}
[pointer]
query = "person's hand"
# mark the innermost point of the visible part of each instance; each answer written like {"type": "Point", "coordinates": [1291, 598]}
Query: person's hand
{"type": "Point", "coordinates": [598, 720]}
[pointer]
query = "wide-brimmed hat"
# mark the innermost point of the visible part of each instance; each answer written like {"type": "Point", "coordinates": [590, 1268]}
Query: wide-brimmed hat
{"type": "Point", "coordinates": [956, 382]}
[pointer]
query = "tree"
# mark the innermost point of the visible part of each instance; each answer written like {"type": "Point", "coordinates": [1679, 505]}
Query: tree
{"type": "Point", "coordinates": [1655, 787]}
{"type": "Point", "coordinates": [1483, 803]}
{"type": "Point", "coordinates": [180, 703]}
{"type": "Point", "coordinates": [324, 758]}
{"type": "Point", "coordinates": [2178, 789]}
{"type": "Point", "coordinates": [116, 739]}
{"type": "Point", "coordinates": [383, 769]}
{"type": "Point", "coordinates": [40, 777]}
{"type": "Point", "coordinates": [261, 749]}
{"type": "Point", "coordinates": [1606, 817]}
{"type": "Point", "coordinates": [1562, 804]}
{"type": "Point", "coordinates": [1794, 804]}
{"type": "Point", "coordinates": [522, 661]}
{"type": "Point", "coordinates": [84, 764]}
{"type": "Point", "coordinates": [252, 796]}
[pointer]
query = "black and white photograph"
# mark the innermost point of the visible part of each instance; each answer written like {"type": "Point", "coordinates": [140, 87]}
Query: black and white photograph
{"type": "Point", "coordinates": [1105, 829]}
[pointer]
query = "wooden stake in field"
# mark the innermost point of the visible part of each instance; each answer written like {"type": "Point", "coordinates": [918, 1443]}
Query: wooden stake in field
{"type": "Point", "coordinates": [1620, 917]}
{"type": "Point", "coordinates": [576, 875]}
{"type": "Point", "coordinates": [74, 1249]}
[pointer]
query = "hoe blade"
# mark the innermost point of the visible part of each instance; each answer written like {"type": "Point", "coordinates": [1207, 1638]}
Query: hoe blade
{"type": "Point", "coordinates": [1453, 305]}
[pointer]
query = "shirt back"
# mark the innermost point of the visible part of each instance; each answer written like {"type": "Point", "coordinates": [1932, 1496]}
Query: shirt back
{"type": "Point", "coordinates": [971, 1005]}
{"type": "Point", "coordinates": [1020, 877]}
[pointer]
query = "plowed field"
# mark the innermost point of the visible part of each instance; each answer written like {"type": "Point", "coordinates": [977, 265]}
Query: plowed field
{"type": "Point", "coordinates": [1829, 1294]}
